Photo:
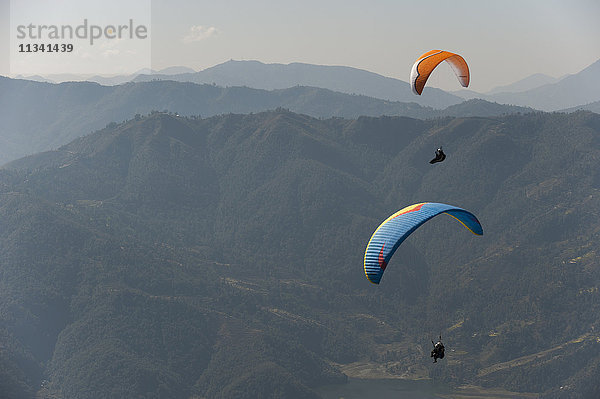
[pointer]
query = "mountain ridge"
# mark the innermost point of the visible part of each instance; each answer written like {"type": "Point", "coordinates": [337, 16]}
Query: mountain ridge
{"type": "Point", "coordinates": [40, 116]}
{"type": "Point", "coordinates": [537, 91]}
{"type": "Point", "coordinates": [343, 79]}
{"type": "Point", "coordinates": [540, 92]}
{"type": "Point", "coordinates": [569, 92]}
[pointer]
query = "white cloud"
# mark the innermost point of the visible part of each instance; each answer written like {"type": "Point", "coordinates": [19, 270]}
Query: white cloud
{"type": "Point", "coordinates": [110, 52]}
{"type": "Point", "coordinates": [197, 33]}
{"type": "Point", "coordinates": [111, 43]}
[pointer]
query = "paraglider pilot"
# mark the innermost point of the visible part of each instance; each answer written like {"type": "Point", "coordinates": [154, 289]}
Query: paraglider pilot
{"type": "Point", "coordinates": [438, 350]}
{"type": "Point", "coordinates": [439, 156]}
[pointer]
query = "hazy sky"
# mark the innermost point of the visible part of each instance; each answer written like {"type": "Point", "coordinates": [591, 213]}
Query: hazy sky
{"type": "Point", "coordinates": [503, 41]}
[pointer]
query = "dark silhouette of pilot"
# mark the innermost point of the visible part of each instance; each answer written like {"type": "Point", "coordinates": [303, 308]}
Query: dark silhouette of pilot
{"type": "Point", "coordinates": [438, 351]}
{"type": "Point", "coordinates": [439, 156]}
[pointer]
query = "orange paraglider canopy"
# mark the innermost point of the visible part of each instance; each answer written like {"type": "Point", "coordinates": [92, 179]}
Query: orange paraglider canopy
{"type": "Point", "coordinates": [426, 63]}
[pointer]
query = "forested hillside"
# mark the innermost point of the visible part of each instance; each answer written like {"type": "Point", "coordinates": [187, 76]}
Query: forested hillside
{"type": "Point", "coordinates": [37, 116]}
{"type": "Point", "coordinates": [222, 257]}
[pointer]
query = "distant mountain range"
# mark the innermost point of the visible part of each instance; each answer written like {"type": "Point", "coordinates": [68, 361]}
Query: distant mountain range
{"type": "Point", "coordinates": [342, 79]}
{"type": "Point", "coordinates": [107, 80]}
{"type": "Point", "coordinates": [40, 116]}
{"type": "Point", "coordinates": [531, 82]}
{"type": "Point", "coordinates": [569, 92]}
{"type": "Point", "coordinates": [594, 107]}
{"type": "Point", "coordinates": [537, 91]}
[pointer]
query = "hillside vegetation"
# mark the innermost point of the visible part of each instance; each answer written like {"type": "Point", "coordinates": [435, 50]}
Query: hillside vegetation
{"type": "Point", "coordinates": [222, 257]}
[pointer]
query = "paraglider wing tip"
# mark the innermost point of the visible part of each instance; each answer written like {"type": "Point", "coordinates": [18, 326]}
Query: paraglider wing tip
{"type": "Point", "coordinates": [467, 219]}
{"type": "Point", "coordinates": [371, 281]}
